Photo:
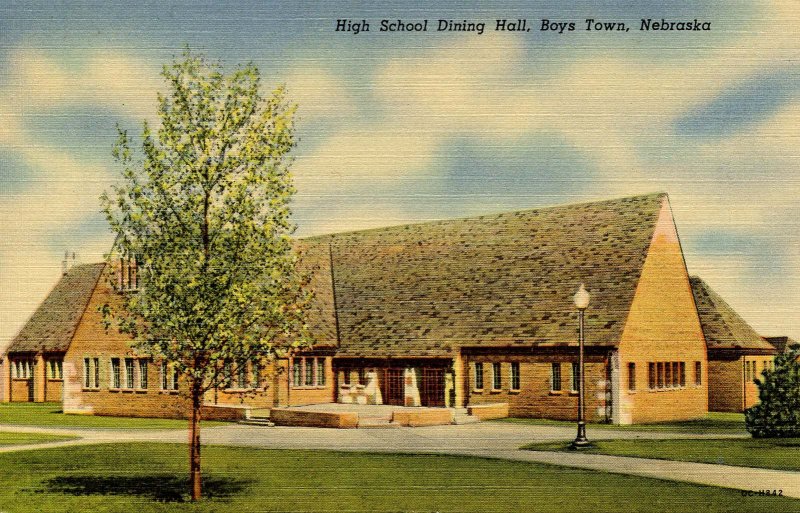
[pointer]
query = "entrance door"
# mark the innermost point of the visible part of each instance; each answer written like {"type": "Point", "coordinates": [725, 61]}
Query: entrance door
{"type": "Point", "coordinates": [394, 387]}
{"type": "Point", "coordinates": [432, 393]}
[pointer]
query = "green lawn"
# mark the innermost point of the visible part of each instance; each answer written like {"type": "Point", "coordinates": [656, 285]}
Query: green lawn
{"type": "Point", "coordinates": [30, 438]}
{"type": "Point", "coordinates": [777, 453]}
{"type": "Point", "coordinates": [714, 423]}
{"type": "Point", "coordinates": [49, 415]}
{"type": "Point", "coordinates": [152, 478]}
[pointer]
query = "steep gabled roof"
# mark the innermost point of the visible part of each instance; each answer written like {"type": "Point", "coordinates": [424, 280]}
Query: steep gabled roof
{"type": "Point", "coordinates": [489, 281]}
{"type": "Point", "coordinates": [53, 324]}
{"type": "Point", "coordinates": [722, 326]}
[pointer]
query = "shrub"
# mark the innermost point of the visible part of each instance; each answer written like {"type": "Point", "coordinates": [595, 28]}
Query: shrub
{"type": "Point", "coordinates": [778, 413]}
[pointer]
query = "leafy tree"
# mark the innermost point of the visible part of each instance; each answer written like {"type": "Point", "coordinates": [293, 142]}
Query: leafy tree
{"type": "Point", "coordinates": [778, 413]}
{"type": "Point", "coordinates": [204, 210]}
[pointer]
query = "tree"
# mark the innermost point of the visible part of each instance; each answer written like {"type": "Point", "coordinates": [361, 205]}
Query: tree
{"type": "Point", "coordinates": [204, 211]}
{"type": "Point", "coordinates": [778, 412]}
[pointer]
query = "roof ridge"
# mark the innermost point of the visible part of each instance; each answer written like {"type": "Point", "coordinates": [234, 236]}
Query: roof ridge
{"type": "Point", "coordinates": [490, 215]}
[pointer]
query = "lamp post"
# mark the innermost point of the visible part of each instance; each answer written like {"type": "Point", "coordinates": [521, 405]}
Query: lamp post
{"type": "Point", "coordinates": [581, 299]}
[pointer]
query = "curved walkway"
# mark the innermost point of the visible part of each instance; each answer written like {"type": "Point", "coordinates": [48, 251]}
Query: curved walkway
{"type": "Point", "coordinates": [487, 440]}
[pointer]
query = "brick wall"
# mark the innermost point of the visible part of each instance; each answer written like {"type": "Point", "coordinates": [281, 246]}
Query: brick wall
{"type": "Point", "coordinates": [725, 384]}
{"type": "Point", "coordinates": [535, 397]}
{"type": "Point", "coordinates": [663, 326]}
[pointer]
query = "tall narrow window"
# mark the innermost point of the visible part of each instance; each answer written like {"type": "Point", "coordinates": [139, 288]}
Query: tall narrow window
{"type": "Point", "coordinates": [241, 375]}
{"type": "Point", "coordinates": [683, 373]}
{"type": "Point", "coordinates": [478, 375]}
{"type": "Point", "coordinates": [555, 377]}
{"type": "Point", "coordinates": [143, 374]}
{"type": "Point", "coordinates": [631, 376]}
{"type": "Point", "coordinates": [651, 375]}
{"type": "Point", "coordinates": [115, 373]}
{"type": "Point", "coordinates": [309, 367]}
{"type": "Point", "coordinates": [698, 373]}
{"type": "Point", "coordinates": [660, 367]}
{"type": "Point", "coordinates": [667, 375]}
{"type": "Point", "coordinates": [128, 372]}
{"type": "Point", "coordinates": [297, 372]}
{"type": "Point", "coordinates": [87, 373]}
{"type": "Point", "coordinates": [576, 378]}
{"type": "Point", "coordinates": [321, 371]}
{"type": "Point", "coordinates": [515, 381]}
{"type": "Point", "coordinates": [497, 379]}
{"type": "Point", "coordinates": [169, 377]}
{"type": "Point", "coordinates": [362, 376]}
{"type": "Point", "coordinates": [676, 379]}
{"type": "Point", "coordinates": [347, 372]}
{"type": "Point", "coordinates": [256, 372]}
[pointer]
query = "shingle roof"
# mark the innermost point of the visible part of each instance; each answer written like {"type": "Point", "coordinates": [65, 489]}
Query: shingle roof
{"type": "Point", "coordinates": [722, 326]}
{"type": "Point", "coordinates": [497, 280]}
{"type": "Point", "coordinates": [53, 324]}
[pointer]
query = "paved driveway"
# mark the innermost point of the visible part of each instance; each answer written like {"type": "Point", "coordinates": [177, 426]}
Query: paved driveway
{"type": "Point", "coordinates": [486, 439]}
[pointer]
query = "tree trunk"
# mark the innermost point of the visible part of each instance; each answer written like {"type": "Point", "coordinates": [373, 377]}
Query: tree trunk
{"type": "Point", "coordinates": [194, 445]}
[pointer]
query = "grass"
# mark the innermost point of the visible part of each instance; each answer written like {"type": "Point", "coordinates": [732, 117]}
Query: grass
{"type": "Point", "coordinates": [152, 478]}
{"type": "Point", "coordinates": [713, 423]}
{"type": "Point", "coordinates": [30, 438]}
{"type": "Point", "coordinates": [50, 415]}
{"type": "Point", "coordinates": [775, 453]}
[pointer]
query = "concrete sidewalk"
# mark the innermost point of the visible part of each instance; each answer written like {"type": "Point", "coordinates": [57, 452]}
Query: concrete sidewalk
{"type": "Point", "coordinates": [497, 440]}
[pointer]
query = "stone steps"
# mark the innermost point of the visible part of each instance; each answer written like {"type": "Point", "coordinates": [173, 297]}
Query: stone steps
{"type": "Point", "coordinates": [257, 421]}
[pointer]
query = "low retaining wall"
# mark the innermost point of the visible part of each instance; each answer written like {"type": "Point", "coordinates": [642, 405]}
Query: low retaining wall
{"type": "Point", "coordinates": [422, 417]}
{"type": "Point", "coordinates": [341, 420]}
{"type": "Point", "coordinates": [489, 411]}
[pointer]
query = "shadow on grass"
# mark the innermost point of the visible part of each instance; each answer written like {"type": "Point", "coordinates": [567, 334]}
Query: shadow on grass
{"type": "Point", "coordinates": [164, 488]}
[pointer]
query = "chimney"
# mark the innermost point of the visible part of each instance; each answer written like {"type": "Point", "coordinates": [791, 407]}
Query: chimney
{"type": "Point", "coordinates": [65, 263]}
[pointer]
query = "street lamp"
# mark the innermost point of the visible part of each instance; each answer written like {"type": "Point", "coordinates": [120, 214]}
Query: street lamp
{"type": "Point", "coordinates": [581, 299]}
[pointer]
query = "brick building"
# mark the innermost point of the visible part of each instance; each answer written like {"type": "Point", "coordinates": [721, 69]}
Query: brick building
{"type": "Point", "coordinates": [737, 355]}
{"type": "Point", "coordinates": [33, 365]}
{"type": "Point", "coordinates": [455, 313]}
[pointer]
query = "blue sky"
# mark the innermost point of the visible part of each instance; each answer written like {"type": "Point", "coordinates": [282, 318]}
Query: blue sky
{"type": "Point", "coordinates": [406, 127]}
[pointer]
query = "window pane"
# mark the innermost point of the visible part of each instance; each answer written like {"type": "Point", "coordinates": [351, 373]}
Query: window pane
{"type": "Point", "coordinates": [128, 372]}
{"type": "Point", "coordinates": [478, 375]}
{"type": "Point", "coordinates": [496, 377]}
{"type": "Point", "coordinates": [309, 366]}
{"type": "Point", "coordinates": [515, 376]}
{"type": "Point", "coordinates": [698, 375]}
{"type": "Point", "coordinates": [115, 377]}
{"type": "Point", "coordinates": [297, 370]}
{"type": "Point", "coordinates": [660, 368]}
{"type": "Point", "coordinates": [556, 377]}
{"type": "Point", "coordinates": [631, 376]}
{"type": "Point", "coordinates": [143, 374]}
{"type": "Point", "coordinates": [321, 371]}
{"type": "Point", "coordinates": [86, 373]}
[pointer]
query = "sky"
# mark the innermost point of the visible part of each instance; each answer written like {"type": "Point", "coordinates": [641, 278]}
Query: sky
{"type": "Point", "coordinates": [399, 127]}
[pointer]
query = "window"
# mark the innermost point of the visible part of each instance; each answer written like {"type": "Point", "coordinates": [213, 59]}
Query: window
{"type": "Point", "coordinates": [23, 369]}
{"type": "Point", "coordinates": [143, 374]}
{"type": "Point", "coordinates": [676, 380]}
{"type": "Point", "coordinates": [129, 373]}
{"type": "Point", "coordinates": [297, 372]}
{"type": "Point", "coordinates": [308, 363]}
{"type": "Point", "coordinates": [496, 376]}
{"type": "Point", "coordinates": [682, 368]}
{"type": "Point", "coordinates": [555, 378]}
{"type": "Point", "coordinates": [631, 376]}
{"type": "Point", "coordinates": [169, 377]}
{"type": "Point", "coordinates": [115, 373]}
{"type": "Point", "coordinates": [698, 374]}
{"type": "Point", "coordinates": [576, 377]}
{"type": "Point", "coordinates": [667, 375]}
{"type": "Point", "coordinates": [87, 373]}
{"type": "Point", "coordinates": [478, 375]}
{"type": "Point", "coordinates": [651, 375]}
{"type": "Point", "coordinates": [255, 369]}
{"type": "Point", "coordinates": [660, 375]}
{"type": "Point", "coordinates": [347, 376]}
{"type": "Point", "coordinates": [321, 372]}
{"type": "Point", "coordinates": [241, 375]}
{"type": "Point", "coordinates": [55, 369]}
{"type": "Point", "coordinates": [515, 381]}
{"type": "Point", "coordinates": [362, 377]}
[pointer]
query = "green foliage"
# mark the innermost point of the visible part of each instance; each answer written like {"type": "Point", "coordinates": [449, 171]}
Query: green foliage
{"type": "Point", "coordinates": [204, 210]}
{"type": "Point", "coordinates": [778, 413]}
